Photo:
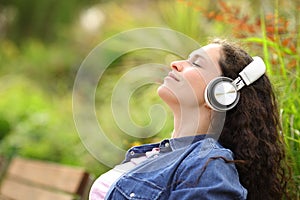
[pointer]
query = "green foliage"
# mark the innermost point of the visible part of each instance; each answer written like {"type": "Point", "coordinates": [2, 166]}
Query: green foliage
{"type": "Point", "coordinates": [139, 103]}
{"type": "Point", "coordinates": [39, 19]}
{"type": "Point", "coordinates": [181, 17]}
{"type": "Point", "coordinates": [5, 127]}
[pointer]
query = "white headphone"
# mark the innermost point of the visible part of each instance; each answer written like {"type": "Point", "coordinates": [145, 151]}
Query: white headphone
{"type": "Point", "coordinates": [222, 93]}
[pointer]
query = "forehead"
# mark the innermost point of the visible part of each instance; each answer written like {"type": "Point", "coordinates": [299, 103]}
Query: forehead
{"type": "Point", "coordinates": [199, 54]}
{"type": "Point", "coordinates": [210, 51]}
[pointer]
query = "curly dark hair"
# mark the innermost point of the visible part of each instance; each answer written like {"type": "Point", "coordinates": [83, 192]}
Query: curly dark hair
{"type": "Point", "coordinates": [256, 136]}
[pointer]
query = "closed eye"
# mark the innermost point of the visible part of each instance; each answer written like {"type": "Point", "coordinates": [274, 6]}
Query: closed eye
{"type": "Point", "coordinates": [195, 64]}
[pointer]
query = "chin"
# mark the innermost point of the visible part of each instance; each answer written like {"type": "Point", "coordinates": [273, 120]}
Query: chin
{"type": "Point", "coordinates": [167, 95]}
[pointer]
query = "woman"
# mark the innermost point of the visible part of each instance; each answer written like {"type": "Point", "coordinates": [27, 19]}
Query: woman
{"type": "Point", "coordinates": [237, 154]}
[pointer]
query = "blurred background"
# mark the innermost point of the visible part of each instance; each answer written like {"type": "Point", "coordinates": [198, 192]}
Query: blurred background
{"type": "Point", "coordinates": [43, 43]}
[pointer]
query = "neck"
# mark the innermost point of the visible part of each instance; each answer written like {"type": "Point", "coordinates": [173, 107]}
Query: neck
{"type": "Point", "coordinates": [191, 121]}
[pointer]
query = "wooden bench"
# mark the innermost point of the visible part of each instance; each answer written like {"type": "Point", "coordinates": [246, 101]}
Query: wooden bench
{"type": "Point", "coordinates": [39, 180]}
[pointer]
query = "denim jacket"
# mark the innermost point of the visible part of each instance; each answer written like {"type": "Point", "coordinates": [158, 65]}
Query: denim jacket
{"type": "Point", "coordinates": [175, 173]}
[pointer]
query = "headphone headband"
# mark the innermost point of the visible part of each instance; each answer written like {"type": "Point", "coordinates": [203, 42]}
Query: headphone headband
{"type": "Point", "coordinates": [253, 71]}
{"type": "Point", "coordinates": [250, 73]}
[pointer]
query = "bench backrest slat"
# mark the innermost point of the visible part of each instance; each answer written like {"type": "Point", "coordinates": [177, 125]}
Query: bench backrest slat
{"type": "Point", "coordinates": [45, 179]}
{"type": "Point", "coordinates": [15, 190]}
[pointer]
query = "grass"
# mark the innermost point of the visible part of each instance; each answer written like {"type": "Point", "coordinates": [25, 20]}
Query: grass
{"type": "Point", "coordinates": [284, 71]}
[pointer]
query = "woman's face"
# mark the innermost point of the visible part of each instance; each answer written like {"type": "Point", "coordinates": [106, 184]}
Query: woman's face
{"type": "Point", "coordinates": [186, 82]}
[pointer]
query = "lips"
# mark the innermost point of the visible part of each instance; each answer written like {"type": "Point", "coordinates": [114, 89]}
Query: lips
{"type": "Point", "coordinates": [173, 76]}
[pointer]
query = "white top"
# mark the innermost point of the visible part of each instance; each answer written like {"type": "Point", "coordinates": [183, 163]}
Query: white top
{"type": "Point", "coordinates": [102, 184]}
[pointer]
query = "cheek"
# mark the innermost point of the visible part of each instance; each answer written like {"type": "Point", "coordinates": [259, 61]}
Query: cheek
{"type": "Point", "coordinates": [197, 83]}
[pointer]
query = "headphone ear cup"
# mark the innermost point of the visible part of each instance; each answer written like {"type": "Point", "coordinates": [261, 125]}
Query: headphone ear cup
{"type": "Point", "coordinates": [221, 94]}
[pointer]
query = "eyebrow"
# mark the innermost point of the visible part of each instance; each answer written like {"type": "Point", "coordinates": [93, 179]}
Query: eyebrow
{"type": "Point", "coordinates": [195, 55]}
{"type": "Point", "coordinates": [200, 59]}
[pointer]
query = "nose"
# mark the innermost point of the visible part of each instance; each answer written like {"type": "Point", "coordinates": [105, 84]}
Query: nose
{"type": "Point", "coordinates": [177, 65]}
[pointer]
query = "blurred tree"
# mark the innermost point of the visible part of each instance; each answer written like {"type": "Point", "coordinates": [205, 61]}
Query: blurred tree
{"type": "Point", "coordinates": [39, 19]}
{"type": "Point", "coordinates": [5, 127]}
